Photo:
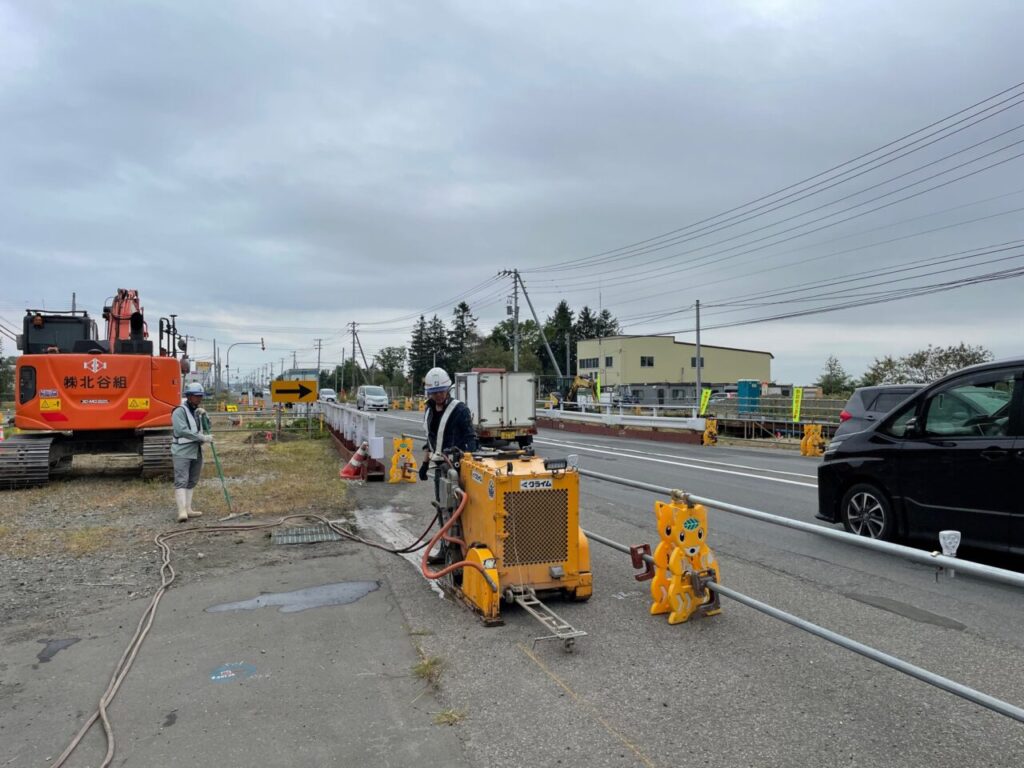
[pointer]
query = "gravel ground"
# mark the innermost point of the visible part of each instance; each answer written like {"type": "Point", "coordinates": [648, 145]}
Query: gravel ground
{"type": "Point", "coordinates": [85, 542]}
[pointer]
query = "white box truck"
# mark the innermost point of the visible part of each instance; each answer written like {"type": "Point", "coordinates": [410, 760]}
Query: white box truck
{"type": "Point", "coordinates": [503, 404]}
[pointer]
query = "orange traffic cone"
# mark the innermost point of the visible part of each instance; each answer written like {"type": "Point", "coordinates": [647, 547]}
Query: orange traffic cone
{"type": "Point", "coordinates": [354, 469]}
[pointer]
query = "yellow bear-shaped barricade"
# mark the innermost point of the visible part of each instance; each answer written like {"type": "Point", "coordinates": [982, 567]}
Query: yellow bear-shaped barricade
{"type": "Point", "coordinates": [710, 436]}
{"type": "Point", "coordinates": [683, 562]}
{"type": "Point", "coordinates": [403, 463]}
{"type": "Point", "coordinates": [813, 442]}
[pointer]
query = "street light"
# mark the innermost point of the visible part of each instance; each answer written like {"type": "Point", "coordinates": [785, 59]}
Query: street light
{"type": "Point", "coordinates": [227, 366]}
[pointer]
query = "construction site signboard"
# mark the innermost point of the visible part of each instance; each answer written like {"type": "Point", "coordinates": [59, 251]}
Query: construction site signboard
{"type": "Point", "coordinates": [293, 391]}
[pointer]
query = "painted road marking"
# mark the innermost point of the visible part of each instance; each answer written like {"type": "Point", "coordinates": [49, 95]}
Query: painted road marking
{"type": "Point", "coordinates": [704, 461]}
{"type": "Point", "coordinates": [652, 457]}
{"type": "Point", "coordinates": [580, 447]}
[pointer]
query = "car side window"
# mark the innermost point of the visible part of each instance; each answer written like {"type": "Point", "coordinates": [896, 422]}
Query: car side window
{"type": "Point", "coordinates": [976, 406]}
{"type": "Point", "coordinates": [886, 401]}
{"type": "Point", "coordinates": [896, 426]}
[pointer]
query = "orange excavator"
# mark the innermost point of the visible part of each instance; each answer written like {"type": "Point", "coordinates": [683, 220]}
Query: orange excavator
{"type": "Point", "coordinates": [77, 393]}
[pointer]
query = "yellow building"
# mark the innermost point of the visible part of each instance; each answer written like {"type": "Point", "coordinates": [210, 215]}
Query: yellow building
{"type": "Point", "coordinates": [641, 363]}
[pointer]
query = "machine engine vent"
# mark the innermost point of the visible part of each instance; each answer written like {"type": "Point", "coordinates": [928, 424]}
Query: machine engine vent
{"type": "Point", "coordinates": [537, 524]}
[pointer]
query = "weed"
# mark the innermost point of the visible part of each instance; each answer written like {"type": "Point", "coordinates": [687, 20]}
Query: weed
{"type": "Point", "coordinates": [429, 669]}
{"type": "Point", "coordinates": [449, 716]}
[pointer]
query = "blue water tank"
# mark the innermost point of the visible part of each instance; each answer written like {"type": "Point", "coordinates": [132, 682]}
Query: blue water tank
{"type": "Point", "coordinates": [748, 392]}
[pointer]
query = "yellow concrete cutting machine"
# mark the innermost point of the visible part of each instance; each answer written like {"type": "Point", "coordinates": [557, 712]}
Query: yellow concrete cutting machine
{"type": "Point", "coordinates": [511, 531]}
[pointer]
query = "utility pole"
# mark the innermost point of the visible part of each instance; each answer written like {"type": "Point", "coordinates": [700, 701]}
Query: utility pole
{"type": "Point", "coordinates": [544, 338]}
{"type": "Point", "coordinates": [318, 342]}
{"type": "Point", "coordinates": [514, 274]}
{"type": "Point", "coordinates": [354, 364]}
{"type": "Point", "coordinates": [295, 364]}
{"type": "Point", "coordinates": [568, 368]}
{"type": "Point", "coordinates": [699, 366]}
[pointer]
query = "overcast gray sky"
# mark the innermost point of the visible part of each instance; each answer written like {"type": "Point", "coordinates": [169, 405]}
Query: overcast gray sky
{"type": "Point", "coordinates": [283, 169]}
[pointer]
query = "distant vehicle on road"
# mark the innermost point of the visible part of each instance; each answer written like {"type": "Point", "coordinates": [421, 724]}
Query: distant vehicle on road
{"type": "Point", "coordinates": [949, 458]}
{"type": "Point", "coordinates": [868, 404]}
{"type": "Point", "coordinates": [372, 397]}
{"type": "Point", "coordinates": [328, 395]}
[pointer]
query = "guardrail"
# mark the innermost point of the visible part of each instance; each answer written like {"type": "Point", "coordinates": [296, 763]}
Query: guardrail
{"type": "Point", "coordinates": [355, 426]}
{"type": "Point", "coordinates": [769, 409]}
{"type": "Point", "coordinates": [935, 559]}
{"type": "Point", "coordinates": [615, 416]}
{"type": "Point", "coordinates": [893, 662]}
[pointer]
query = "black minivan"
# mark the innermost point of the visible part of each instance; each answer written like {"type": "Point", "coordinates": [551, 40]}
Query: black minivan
{"type": "Point", "coordinates": [949, 458]}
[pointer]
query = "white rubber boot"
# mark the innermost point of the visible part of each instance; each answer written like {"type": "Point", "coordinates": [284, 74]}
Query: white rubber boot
{"type": "Point", "coordinates": [188, 506]}
{"type": "Point", "coordinates": [182, 501]}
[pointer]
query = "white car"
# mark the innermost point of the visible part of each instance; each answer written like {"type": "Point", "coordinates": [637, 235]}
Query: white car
{"type": "Point", "coordinates": [371, 397]}
{"type": "Point", "coordinates": [328, 395]}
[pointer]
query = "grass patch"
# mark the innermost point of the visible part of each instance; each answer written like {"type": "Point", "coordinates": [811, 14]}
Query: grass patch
{"type": "Point", "coordinates": [420, 632]}
{"type": "Point", "coordinates": [429, 669]}
{"type": "Point", "coordinates": [284, 478]}
{"type": "Point", "coordinates": [88, 540]}
{"type": "Point", "coordinates": [449, 716]}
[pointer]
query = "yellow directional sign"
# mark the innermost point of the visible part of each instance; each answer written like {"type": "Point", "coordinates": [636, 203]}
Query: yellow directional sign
{"type": "Point", "coordinates": [293, 391]}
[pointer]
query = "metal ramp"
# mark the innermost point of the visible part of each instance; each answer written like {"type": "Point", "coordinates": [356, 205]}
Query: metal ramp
{"type": "Point", "coordinates": [560, 629]}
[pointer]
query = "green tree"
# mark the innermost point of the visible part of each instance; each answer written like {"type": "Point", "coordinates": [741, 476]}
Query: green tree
{"type": "Point", "coordinates": [607, 325]}
{"type": "Point", "coordinates": [529, 336]}
{"type": "Point", "coordinates": [437, 345]}
{"type": "Point", "coordinates": [834, 381]}
{"type": "Point", "coordinates": [924, 365]}
{"type": "Point", "coordinates": [420, 356]}
{"type": "Point", "coordinates": [927, 365]}
{"type": "Point", "coordinates": [884, 370]}
{"type": "Point", "coordinates": [586, 324]}
{"type": "Point", "coordinates": [559, 331]}
{"type": "Point", "coordinates": [461, 338]}
{"type": "Point", "coordinates": [391, 362]}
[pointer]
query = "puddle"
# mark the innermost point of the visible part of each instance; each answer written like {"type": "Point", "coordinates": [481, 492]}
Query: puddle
{"type": "Point", "coordinates": [342, 593]}
{"type": "Point", "coordinates": [52, 647]}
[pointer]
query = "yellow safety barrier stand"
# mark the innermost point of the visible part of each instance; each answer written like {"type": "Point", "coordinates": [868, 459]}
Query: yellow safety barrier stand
{"type": "Point", "coordinates": [683, 562]}
{"type": "Point", "coordinates": [710, 436]}
{"type": "Point", "coordinates": [403, 463]}
{"type": "Point", "coordinates": [813, 442]}
{"type": "Point", "coordinates": [422, 406]}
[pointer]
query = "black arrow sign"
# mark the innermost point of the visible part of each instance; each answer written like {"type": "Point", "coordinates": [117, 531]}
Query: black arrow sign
{"type": "Point", "coordinates": [301, 390]}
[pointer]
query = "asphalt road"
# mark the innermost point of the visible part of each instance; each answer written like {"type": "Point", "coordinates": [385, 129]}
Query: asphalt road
{"type": "Point", "coordinates": [740, 688]}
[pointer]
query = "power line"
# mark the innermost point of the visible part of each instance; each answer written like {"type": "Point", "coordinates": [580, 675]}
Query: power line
{"type": "Point", "coordinates": [899, 295]}
{"type": "Point", "coordinates": [590, 260]}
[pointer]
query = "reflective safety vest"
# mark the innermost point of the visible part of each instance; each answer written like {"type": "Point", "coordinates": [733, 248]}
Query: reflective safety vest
{"type": "Point", "coordinates": [435, 450]}
{"type": "Point", "coordinates": [193, 425]}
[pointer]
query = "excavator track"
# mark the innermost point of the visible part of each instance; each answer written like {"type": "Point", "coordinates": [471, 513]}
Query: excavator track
{"type": "Point", "coordinates": [156, 455]}
{"type": "Point", "coordinates": [24, 462]}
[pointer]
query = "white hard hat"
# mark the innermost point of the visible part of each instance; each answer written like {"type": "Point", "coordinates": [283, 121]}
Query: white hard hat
{"type": "Point", "coordinates": [194, 388]}
{"type": "Point", "coordinates": [436, 380]}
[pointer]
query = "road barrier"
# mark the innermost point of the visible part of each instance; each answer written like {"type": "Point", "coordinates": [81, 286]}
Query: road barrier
{"type": "Point", "coordinates": [699, 582]}
{"type": "Point", "coordinates": [813, 442]}
{"type": "Point", "coordinates": [350, 428]}
{"type": "Point", "coordinates": [403, 462]}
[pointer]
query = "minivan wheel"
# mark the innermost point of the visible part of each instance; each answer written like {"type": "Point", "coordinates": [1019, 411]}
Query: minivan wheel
{"type": "Point", "coordinates": [866, 511]}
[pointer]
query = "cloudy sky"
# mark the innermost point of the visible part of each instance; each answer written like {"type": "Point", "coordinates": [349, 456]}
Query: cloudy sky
{"type": "Point", "coordinates": [283, 169]}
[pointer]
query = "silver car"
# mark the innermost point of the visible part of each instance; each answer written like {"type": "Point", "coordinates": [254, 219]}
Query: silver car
{"type": "Point", "coordinates": [371, 398]}
{"type": "Point", "coordinates": [868, 404]}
